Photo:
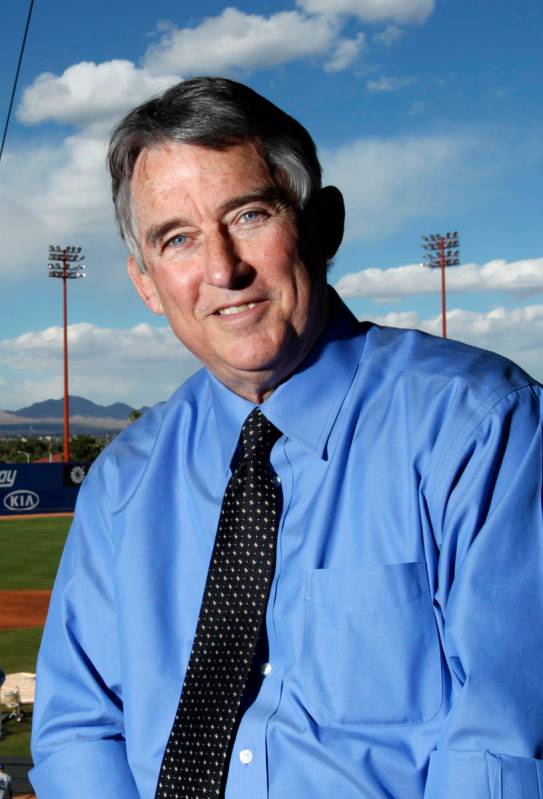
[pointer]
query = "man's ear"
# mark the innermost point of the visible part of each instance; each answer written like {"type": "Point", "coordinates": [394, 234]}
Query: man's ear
{"type": "Point", "coordinates": [145, 286]}
{"type": "Point", "coordinates": [330, 220]}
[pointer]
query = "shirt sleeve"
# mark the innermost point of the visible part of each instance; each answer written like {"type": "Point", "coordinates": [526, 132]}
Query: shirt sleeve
{"type": "Point", "coordinates": [78, 741]}
{"type": "Point", "coordinates": [489, 602]}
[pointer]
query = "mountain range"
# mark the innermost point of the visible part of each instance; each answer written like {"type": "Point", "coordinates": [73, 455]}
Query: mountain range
{"type": "Point", "coordinates": [47, 417]}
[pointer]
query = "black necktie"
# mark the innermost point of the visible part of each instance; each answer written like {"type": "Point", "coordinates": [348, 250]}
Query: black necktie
{"type": "Point", "coordinates": [233, 607]}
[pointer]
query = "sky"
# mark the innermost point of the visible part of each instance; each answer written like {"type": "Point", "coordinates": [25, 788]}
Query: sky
{"type": "Point", "coordinates": [427, 115]}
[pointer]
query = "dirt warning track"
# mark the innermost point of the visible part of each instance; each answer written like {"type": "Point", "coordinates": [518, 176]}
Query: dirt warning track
{"type": "Point", "coordinates": [23, 609]}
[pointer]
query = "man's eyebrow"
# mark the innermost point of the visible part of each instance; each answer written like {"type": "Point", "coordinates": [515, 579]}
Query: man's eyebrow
{"type": "Point", "coordinates": [271, 195]}
{"type": "Point", "coordinates": [156, 233]}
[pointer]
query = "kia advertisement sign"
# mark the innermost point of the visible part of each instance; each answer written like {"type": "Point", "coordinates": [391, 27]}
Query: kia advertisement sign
{"type": "Point", "coordinates": [40, 487]}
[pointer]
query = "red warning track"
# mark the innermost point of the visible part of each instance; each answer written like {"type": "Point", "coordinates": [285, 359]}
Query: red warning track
{"type": "Point", "coordinates": [23, 609]}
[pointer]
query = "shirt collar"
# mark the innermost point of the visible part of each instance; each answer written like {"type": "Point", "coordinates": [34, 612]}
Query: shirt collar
{"type": "Point", "coordinates": [307, 405]}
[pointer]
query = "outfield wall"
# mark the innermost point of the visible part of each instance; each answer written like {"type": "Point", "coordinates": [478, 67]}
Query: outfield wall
{"type": "Point", "coordinates": [37, 488]}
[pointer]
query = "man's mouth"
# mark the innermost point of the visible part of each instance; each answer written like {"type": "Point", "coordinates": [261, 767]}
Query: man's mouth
{"type": "Point", "coordinates": [232, 309]}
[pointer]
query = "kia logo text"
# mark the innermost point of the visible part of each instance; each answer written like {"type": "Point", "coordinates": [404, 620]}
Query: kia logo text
{"type": "Point", "coordinates": [21, 500]}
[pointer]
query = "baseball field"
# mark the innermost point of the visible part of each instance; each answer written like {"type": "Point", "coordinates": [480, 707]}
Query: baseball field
{"type": "Point", "coordinates": [30, 549]}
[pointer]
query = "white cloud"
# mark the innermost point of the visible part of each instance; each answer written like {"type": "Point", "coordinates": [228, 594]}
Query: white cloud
{"type": "Point", "coordinates": [401, 11]}
{"type": "Point", "coordinates": [235, 39]}
{"type": "Point", "coordinates": [88, 92]}
{"type": "Point", "coordinates": [387, 182]}
{"type": "Point", "coordinates": [389, 36]}
{"type": "Point", "coordinates": [389, 84]}
{"type": "Point", "coordinates": [345, 53]}
{"type": "Point", "coordinates": [106, 365]}
{"type": "Point", "coordinates": [520, 278]}
{"type": "Point", "coordinates": [57, 192]}
{"type": "Point", "coordinates": [517, 334]}
{"type": "Point", "coordinates": [76, 194]}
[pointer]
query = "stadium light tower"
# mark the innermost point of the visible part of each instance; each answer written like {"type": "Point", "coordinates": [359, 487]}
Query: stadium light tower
{"type": "Point", "coordinates": [66, 263]}
{"type": "Point", "coordinates": [441, 251]}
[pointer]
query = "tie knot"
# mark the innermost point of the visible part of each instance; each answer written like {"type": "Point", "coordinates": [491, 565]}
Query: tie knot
{"type": "Point", "coordinates": [257, 437]}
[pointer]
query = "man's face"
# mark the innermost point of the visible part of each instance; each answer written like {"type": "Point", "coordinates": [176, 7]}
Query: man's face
{"type": "Point", "coordinates": [223, 261]}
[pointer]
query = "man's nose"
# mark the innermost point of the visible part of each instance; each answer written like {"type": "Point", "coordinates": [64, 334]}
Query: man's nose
{"type": "Point", "coordinates": [224, 265]}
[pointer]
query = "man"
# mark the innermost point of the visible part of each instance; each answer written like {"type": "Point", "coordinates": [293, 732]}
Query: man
{"type": "Point", "coordinates": [5, 784]}
{"type": "Point", "coordinates": [397, 652]}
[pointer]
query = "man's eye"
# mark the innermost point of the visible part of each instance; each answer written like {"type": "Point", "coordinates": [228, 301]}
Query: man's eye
{"type": "Point", "coordinates": [252, 216]}
{"type": "Point", "coordinates": [177, 241]}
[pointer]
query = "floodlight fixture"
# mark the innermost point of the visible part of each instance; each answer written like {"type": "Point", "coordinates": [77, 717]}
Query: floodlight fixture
{"type": "Point", "coordinates": [441, 251]}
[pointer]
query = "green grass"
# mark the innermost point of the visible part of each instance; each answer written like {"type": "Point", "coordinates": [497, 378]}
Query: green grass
{"type": "Point", "coordinates": [30, 550]}
{"type": "Point", "coordinates": [16, 740]}
{"type": "Point", "coordinates": [18, 649]}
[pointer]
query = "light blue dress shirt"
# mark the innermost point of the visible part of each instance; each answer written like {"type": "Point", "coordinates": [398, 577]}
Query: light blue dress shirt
{"type": "Point", "coordinates": [405, 617]}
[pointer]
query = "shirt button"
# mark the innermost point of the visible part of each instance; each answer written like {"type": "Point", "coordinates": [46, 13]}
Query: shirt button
{"type": "Point", "coordinates": [266, 669]}
{"type": "Point", "coordinates": [245, 756]}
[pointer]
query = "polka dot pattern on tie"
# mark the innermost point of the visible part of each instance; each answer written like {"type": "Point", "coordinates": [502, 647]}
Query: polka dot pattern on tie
{"type": "Point", "coordinates": [233, 607]}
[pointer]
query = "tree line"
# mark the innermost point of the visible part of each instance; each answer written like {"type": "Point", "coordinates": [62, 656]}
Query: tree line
{"type": "Point", "coordinates": [26, 449]}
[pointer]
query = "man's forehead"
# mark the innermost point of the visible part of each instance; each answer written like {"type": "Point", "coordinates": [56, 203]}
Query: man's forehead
{"type": "Point", "coordinates": [171, 156]}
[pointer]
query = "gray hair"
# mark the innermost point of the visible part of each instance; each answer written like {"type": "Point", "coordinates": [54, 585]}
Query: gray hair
{"type": "Point", "coordinates": [217, 113]}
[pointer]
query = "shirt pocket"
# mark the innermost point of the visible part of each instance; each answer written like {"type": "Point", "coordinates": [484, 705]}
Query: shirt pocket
{"type": "Point", "coordinates": [371, 652]}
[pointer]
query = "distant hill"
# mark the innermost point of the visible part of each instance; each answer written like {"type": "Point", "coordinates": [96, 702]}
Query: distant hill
{"type": "Point", "coordinates": [79, 406]}
{"type": "Point", "coordinates": [46, 418]}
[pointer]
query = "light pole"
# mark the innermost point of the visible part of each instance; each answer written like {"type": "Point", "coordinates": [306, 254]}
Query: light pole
{"type": "Point", "coordinates": [441, 251]}
{"type": "Point", "coordinates": [66, 263]}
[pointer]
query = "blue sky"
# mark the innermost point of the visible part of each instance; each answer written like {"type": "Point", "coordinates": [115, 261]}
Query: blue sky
{"type": "Point", "coordinates": [427, 114]}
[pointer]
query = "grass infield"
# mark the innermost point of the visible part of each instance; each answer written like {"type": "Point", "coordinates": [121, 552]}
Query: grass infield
{"type": "Point", "coordinates": [30, 550]}
{"type": "Point", "coordinates": [18, 649]}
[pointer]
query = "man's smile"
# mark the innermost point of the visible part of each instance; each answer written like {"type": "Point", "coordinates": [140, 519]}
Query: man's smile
{"type": "Point", "coordinates": [236, 309]}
